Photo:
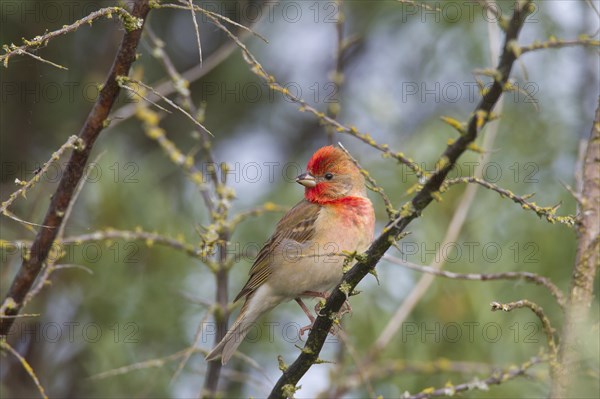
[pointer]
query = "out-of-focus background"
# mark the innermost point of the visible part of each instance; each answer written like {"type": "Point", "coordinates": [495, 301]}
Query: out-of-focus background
{"type": "Point", "coordinates": [406, 66]}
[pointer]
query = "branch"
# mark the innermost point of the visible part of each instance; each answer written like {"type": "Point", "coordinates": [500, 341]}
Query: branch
{"type": "Point", "coordinates": [495, 379]}
{"type": "Point", "coordinates": [72, 142]}
{"type": "Point", "coordinates": [587, 263]}
{"type": "Point", "coordinates": [132, 22]}
{"type": "Point", "coordinates": [74, 170]}
{"type": "Point", "coordinates": [168, 87]}
{"type": "Point", "coordinates": [547, 212]}
{"type": "Point", "coordinates": [260, 210]}
{"type": "Point", "coordinates": [554, 43]}
{"type": "Point", "coordinates": [26, 366]}
{"type": "Point", "coordinates": [539, 312]}
{"type": "Point", "coordinates": [125, 82]}
{"type": "Point", "coordinates": [527, 276]}
{"type": "Point", "coordinates": [393, 368]}
{"type": "Point", "coordinates": [309, 355]}
{"type": "Point", "coordinates": [139, 235]}
{"type": "Point", "coordinates": [218, 214]}
{"type": "Point", "coordinates": [259, 71]}
{"type": "Point", "coordinates": [458, 218]}
{"type": "Point", "coordinates": [146, 364]}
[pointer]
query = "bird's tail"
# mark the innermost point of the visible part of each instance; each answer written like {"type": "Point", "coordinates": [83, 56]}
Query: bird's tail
{"type": "Point", "coordinates": [253, 308]}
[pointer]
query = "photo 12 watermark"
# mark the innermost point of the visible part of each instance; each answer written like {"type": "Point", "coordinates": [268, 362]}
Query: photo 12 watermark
{"type": "Point", "coordinates": [75, 332]}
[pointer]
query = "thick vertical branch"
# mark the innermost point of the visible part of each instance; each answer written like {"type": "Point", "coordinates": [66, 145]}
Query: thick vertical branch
{"type": "Point", "coordinates": [586, 266]}
{"type": "Point", "coordinates": [95, 122]}
{"type": "Point", "coordinates": [213, 372]}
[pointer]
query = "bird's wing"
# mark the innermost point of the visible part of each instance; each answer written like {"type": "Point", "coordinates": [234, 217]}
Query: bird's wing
{"type": "Point", "coordinates": [297, 225]}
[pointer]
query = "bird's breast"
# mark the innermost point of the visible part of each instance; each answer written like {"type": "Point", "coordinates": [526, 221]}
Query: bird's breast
{"type": "Point", "coordinates": [350, 223]}
{"type": "Point", "coordinates": [316, 265]}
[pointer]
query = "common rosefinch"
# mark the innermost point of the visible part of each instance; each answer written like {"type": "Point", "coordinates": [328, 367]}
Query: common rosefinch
{"type": "Point", "coordinates": [298, 260]}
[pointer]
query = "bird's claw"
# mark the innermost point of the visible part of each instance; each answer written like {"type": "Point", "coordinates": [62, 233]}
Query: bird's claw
{"type": "Point", "coordinates": [333, 331]}
{"type": "Point", "coordinates": [346, 308]}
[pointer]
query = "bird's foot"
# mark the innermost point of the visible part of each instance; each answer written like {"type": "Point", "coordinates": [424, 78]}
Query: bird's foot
{"type": "Point", "coordinates": [333, 331]}
{"type": "Point", "coordinates": [305, 309]}
{"type": "Point", "coordinates": [305, 329]}
{"type": "Point", "coordinates": [346, 308]}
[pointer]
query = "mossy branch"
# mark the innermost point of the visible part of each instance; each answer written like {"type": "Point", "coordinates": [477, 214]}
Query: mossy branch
{"type": "Point", "coordinates": [586, 267]}
{"type": "Point", "coordinates": [547, 212]}
{"type": "Point", "coordinates": [74, 170]}
{"type": "Point", "coordinates": [421, 200]}
{"type": "Point", "coordinates": [73, 142]}
{"type": "Point", "coordinates": [527, 276]}
{"type": "Point", "coordinates": [482, 385]}
{"type": "Point", "coordinates": [259, 71]}
{"type": "Point", "coordinates": [554, 43]}
{"type": "Point", "coordinates": [131, 22]}
{"type": "Point", "coordinates": [546, 326]}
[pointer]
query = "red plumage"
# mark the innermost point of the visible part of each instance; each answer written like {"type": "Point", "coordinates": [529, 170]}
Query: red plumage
{"type": "Point", "coordinates": [323, 159]}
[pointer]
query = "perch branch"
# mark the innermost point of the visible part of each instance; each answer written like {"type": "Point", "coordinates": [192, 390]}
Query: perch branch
{"type": "Point", "coordinates": [287, 384]}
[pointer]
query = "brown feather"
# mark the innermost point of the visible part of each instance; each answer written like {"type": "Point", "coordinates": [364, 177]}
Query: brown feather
{"type": "Point", "coordinates": [297, 225]}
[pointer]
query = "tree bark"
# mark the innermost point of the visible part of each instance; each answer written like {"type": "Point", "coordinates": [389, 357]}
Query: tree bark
{"type": "Point", "coordinates": [587, 262]}
{"type": "Point", "coordinates": [94, 124]}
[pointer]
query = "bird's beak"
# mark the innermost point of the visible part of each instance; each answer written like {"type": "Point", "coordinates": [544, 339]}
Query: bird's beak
{"type": "Point", "coordinates": [306, 179]}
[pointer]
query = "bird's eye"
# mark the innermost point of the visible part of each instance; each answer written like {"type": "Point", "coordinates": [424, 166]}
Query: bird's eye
{"type": "Point", "coordinates": [328, 176]}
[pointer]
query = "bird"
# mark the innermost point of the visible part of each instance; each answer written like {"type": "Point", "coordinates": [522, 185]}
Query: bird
{"type": "Point", "coordinates": [301, 258]}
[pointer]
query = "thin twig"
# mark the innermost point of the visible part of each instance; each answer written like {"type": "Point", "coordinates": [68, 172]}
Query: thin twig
{"type": "Point", "coordinates": [527, 276]}
{"type": "Point", "coordinates": [555, 43]}
{"type": "Point", "coordinates": [548, 212]}
{"type": "Point", "coordinates": [168, 86]}
{"type": "Point", "coordinates": [258, 70]}
{"type": "Point", "coordinates": [539, 312]}
{"type": "Point", "coordinates": [72, 142]}
{"type": "Point", "coordinates": [146, 364]}
{"type": "Point", "coordinates": [385, 369]}
{"type": "Point", "coordinates": [45, 61]}
{"type": "Point", "coordinates": [197, 29]}
{"type": "Point", "coordinates": [22, 315]}
{"type": "Point", "coordinates": [26, 366]}
{"type": "Point", "coordinates": [190, 350]}
{"type": "Point", "coordinates": [131, 22]}
{"type": "Point", "coordinates": [216, 16]}
{"type": "Point", "coordinates": [476, 384]}
{"type": "Point", "coordinates": [363, 375]}
{"type": "Point", "coordinates": [218, 213]}
{"type": "Point", "coordinates": [124, 81]}
{"type": "Point", "coordinates": [138, 235]}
